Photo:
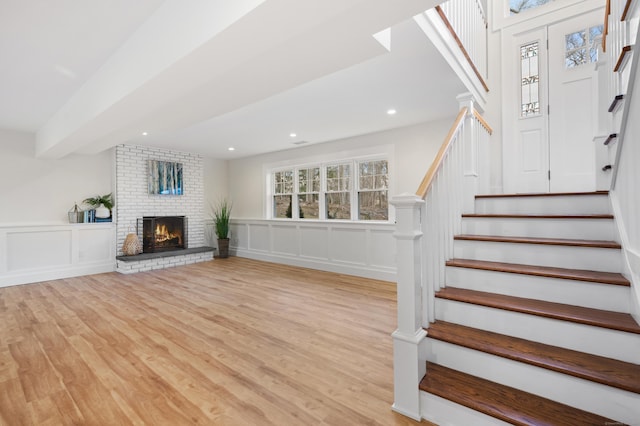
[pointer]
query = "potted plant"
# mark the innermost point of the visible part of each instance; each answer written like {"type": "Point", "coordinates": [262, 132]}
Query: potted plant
{"type": "Point", "coordinates": [221, 217]}
{"type": "Point", "coordinates": [102, 204]}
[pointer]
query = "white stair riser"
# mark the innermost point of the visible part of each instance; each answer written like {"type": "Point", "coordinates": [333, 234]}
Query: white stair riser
{"type": "Point", "coordinates": [595, 340]}
{"type": "Point", "coordinates": [579, 293]}
{"type": "Point", "coordinates": [584, 229]}
{"type": "Point", "coordinates": [589, 258]}
{"type": "Point", "coordinates": [579, 393]}
{"type": "Point", "coordinates": [443, 412]}
{"type": "Point", "coordinates": [583, 204]}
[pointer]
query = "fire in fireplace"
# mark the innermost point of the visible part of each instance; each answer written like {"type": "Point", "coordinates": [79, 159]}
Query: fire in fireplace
{"type": "Point", "coordinates": [163, 233]}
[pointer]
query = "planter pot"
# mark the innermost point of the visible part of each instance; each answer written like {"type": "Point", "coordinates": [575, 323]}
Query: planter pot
{"type": "Point", "coordinates": [223, 248]}
{"type": "Point", "coordinates": [102, 212]}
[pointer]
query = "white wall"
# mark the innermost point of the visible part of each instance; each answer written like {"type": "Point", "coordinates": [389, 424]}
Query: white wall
{"type": "Point", "coordinates": [215, 183]}
{"type": "Point", "coordinates": [624, 195]}
{"type": "Point", "coordinates": [493, 112]}
{"type": "Point", "coordinates": [43, 190]}
{"type": "Point", "coordinates": [36, 241]}
{"type": "Point", "coordinates": [413, 148]}
{"type": "Point", "coordinates": [359, 248]}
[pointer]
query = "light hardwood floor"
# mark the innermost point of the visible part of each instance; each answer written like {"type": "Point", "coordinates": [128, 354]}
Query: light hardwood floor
{"type": "Point", "coordinates": [229, 342]}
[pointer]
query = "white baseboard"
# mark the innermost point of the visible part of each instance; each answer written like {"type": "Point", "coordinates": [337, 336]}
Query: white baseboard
{"type": "Point", "coordinates": [357, 270]}
{"type": "Point", "coordinates": [55, 273]}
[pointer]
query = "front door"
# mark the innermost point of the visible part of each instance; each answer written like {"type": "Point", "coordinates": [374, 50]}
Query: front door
{"type": "Point", "coordinates": [572, 102]}
{"type": "Point", "coordinates": [549, 119]}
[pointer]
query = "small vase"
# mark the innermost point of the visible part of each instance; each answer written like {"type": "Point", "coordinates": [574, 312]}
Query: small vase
{"type": "Point", "coordinates": [102, 212]}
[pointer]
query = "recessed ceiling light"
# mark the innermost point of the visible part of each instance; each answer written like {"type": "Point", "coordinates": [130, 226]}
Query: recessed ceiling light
{"type": "Point", "coordinates": [231, 148]}
{"type": "Point", "coordinates": [144, 133]}
{"type": "Point", "coordinates": [292, 135]}
{"type": "Point", "coordinates": [391, 111]}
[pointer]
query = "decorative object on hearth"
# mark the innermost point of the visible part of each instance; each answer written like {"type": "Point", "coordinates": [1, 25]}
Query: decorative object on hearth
{"type": "Point", "coordinates": [102, 205]}
{"type": "Point", "coordinates": [131, 245]}
{"type": "Point", "coordinates": [221, 213]}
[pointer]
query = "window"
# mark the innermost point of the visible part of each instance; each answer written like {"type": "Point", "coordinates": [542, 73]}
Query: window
{"type": "Point", "coordinates": [373, 202]}
{"type": "Point", "coordinates": [581, 47]}
{"type": "Point", "coordinates": [530, 80]}
{"type": "Point", "coordinates": [338, 196]}
{"type": "Point", "coordinates": [309, 193]}
{"type": "Point", "coordinates": [283, 193]}
{"type": "Point", "coordinates": [518, 6]}
{"type": "Point", "coordinates": [356, 189]}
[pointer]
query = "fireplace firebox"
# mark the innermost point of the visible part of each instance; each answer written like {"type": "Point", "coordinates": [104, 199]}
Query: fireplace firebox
{"type": "Point", "coordinates": [163, 233]}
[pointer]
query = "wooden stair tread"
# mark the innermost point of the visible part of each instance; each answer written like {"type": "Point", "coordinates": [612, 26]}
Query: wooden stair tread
{"type": "Point", "coordinates": [607, 371]}
{"type": "Point", "coordinates": [542, 194]}
{"type": "Point", "coordinates": [538, 240]}
{"type": "Point", "coordinates": [503, 402]}
{"type": "Point", "coordinates": [542, 271]}
{"type": "Point", "coordinates": [578, 314]}
{"type": "Point", "coordinates": [537, 216]}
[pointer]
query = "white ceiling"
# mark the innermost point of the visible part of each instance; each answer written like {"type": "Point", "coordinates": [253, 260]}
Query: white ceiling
{"type": "Point", "coordinates": [86, 75]}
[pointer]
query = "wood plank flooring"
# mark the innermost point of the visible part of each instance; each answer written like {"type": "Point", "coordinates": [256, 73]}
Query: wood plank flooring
{"type": "Point", "coordinates": [229, 342]}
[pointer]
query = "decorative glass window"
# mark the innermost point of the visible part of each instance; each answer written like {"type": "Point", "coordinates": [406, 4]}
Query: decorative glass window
{"type": "Point", "coordinates": [518, 6]}
{"type": "Point", "coordinates": [338, 194]}
{"type": "Point", "coordinates": [282, 193]}
{"type": "Point", "coordinates": [373, 202]}
{"type": "Point", "coordinates": [530, 80]}
{"type": "Point", "coordinates": [581, 47]}
{"type": "Point", "coordinates": [309, 193]}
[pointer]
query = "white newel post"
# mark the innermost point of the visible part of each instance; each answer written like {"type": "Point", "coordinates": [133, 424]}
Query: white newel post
{"type": "Point", "coordinates": [407, 368]}
{"type": "Point", "coordinates": [470, 150]}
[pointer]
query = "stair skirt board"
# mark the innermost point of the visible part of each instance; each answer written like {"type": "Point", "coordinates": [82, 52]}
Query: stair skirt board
{"type": "Point", "coordinates": [558, 205]}
{"type": "Point", "coordinates": [580, 293]}
{"type": "Point", "coordinates": [583, 394]}
{"type": "Point", "coordinates": [591, 229]}
{"type": "Point", "coordinates": [443, 412]}
{"type": "Point", "coordinates": [590, 258]}
{"type": "Point", "coordinates": [585, 338]}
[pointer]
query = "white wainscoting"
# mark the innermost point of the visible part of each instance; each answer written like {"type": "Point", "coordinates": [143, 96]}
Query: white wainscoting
{"type": "Point", "coordinates": [40, 252]}
{"type": "Point", "coordinates": [354, 248]}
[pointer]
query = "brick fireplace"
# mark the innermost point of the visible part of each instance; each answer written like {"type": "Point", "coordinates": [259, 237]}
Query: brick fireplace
{"type": "Point", "coordinates": [133, 202]}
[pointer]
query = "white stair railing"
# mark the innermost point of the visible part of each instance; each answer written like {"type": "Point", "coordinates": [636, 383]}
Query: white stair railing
{"type": "Point", "coordinates": [621, 27]}
{"type": "Point", "coordinates": [425, 226]}
{"type": "Point", "coordinates": [468, 22]}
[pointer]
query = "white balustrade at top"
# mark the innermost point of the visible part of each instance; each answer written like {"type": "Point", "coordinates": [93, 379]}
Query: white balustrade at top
{"type": "Point", "coordinates": [468, 20]}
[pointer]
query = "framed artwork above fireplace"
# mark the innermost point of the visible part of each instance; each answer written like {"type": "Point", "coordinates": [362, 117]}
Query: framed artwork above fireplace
{"type": "Point", "coordinates": [165, 178]}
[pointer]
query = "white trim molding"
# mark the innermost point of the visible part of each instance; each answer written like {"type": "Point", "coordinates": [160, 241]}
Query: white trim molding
{"type": "Point", "coordinates": [365, 249]}
{"type": "Point", "coordinates": [40, 252]}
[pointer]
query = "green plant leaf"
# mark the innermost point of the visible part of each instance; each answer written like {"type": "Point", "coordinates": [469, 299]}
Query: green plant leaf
{"type": "Point", "coordinates": [221, 214]}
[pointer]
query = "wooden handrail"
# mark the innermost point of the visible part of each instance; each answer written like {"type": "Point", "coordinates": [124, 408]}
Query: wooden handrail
{"type": "Point", "coordinates": [461, 46]}
{"type": "Point", "coordinates": [437, 162]}
{"type": "Point", "coordinates": [483, 122]}
{"type": "Point", "coordinates": [622, 58]}
{"type": "Point", "coordinates": [607, 12]}
{"type": "Point", "coordinates": [625, 11]}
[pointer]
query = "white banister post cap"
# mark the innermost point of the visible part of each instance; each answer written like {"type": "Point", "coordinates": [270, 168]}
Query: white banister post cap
{"type": "Point", "coordinates": [406, 200]}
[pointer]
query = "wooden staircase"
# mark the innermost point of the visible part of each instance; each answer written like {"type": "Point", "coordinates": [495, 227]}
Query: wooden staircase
{"type": "Point", "coordinates": [533, 326]}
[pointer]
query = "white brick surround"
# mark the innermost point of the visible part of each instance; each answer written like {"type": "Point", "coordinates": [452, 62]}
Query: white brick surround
{"type": "Point", "coordinates": [165, 262]}
{"type": "Point", "coordinates": [133, 200]}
